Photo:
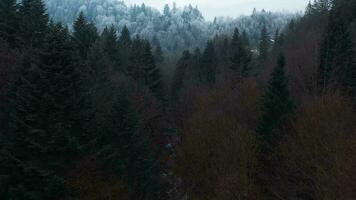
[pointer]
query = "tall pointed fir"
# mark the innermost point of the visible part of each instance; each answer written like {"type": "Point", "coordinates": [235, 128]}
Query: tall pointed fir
{"type": "Point", "coordinates": [179, 75]}
{"type": "Point", "coordinates": [126, 152]}
{"type": "Point", "coordinates": [33, 23]}
{"type": "Point", "coordinates": [45, 120]}
{"type": "Point", "coordinates": [337, 60]}
{"type": "Point", "coordinates": [208, 65]}
{"type": "Point", "coordinates": [152, 74]}
{"type": "Point", "coordinates": [134, 67]}
{"type": "Point", "coordinates": [84, 35]}
{"type": "Point", "coordinates": [110, 44]}
{"type": "Point", "coordinates": [124, 44]}
{"type": "Point", "coordinates": [240, 54]}
{"type": "Point", "coordinates": [264, 46]}
{"type": "Point", "coordinates": [9, 22]}
{"type": "Point", "coordinates": [158, 54]}
{"type": "Point", "coordinates": [235, 57]}
{"type": "Point", "coordinates": [277, 102]}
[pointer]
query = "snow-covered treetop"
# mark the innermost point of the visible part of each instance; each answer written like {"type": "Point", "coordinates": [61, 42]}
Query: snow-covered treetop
{"type": "Point", "coordinates": [176, 28]}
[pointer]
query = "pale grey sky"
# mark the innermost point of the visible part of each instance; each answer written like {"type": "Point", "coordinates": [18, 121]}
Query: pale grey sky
{"type": "Point", "coordinates": [232, 8]}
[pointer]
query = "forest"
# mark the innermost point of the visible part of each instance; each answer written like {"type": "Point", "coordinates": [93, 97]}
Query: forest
{"type": "Point", "coordinates": [102, 101]}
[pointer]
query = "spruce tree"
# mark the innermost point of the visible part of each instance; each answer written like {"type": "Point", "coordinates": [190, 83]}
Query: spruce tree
{"type": "Point", "coordinates": [277, 102]}
{"type": "Point", "coordinates": [33, 23]}
{"type": "Point", "coordinates": [179, 74]}
{"type": "Point", "coordinates": [337, 64]}
{"type": "Point", "coordinates": [159, 58]}
{"type": "Point", "coordinates": [84, 35]}
{"type": "Point", "coordinates": [152, 74]}
{"type": "Point", "coordinates": [44, 121]}
{"type": "Point", "coordinates": [9, 22]}
{"type": "Point", "coordinates": [235, 50]}
{"type": "Point", "coordinates": [264, 45]}
{"type": "Point", "coordinates": [126, 152]}
{"type": "Point", "coordinates": [124, 44]}
{"type": "Point", "coordinates": [240, 54]}
{"type": "Point", "coordinates": [134, 61]}
{"type": "Point", "coordinates": [208, 65]}
{"type": "Point", "coordinates": [110, 44]}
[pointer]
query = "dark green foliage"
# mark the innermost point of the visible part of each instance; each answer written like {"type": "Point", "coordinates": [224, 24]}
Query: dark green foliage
{"type": "Point", "coordinates": [125, 38]}
{"type": "Point", "coordinates": [9, 22]}
{"type": "Point", "coordinates": [179, 74]}
{"type": "Point", "coordinates": [143, 69]}
{"type": "Point", "coordinates": [33, 23]}
{"type": "Point", "coordinates": [84, 35]}
{"type": "Point", "coordinates": [124, 47]}
{"type": "Point", "coordinates": [208, 65]}
{"type": "Point", "coordinates": [152, 74]}
{"type": "Point", "coordinates": [135, 69]}
{"type": "Point", "coordinates": [277, 102]}
{"type": "Point", "coordinates": [264, 45]}
{"type": "Point", "coordinates": [240, 54]}
{"type": "Point", "coordinates": [337, 60]}
{"type": "Point", "coordinates": [124, 151]}
{"type": "Point", "coordinates": [44, 121]}
{"type": "Point", "coordinates": [159, 58]}
{"type": "Point", "coordinates": [110, 44]}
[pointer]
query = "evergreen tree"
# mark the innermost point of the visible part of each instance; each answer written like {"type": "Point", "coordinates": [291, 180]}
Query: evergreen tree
{"type": "Point", "coordinates": [126, 152]}
{"type": "Point", "coordinates": [194, 70]}
{"type": "Point", "coordinates": [240, 54]}
{"type": "Point", "coordinates": [110, 44]}
{"type": "Point", "coordinates": [208, 68]}
{"type": "Point", "coordinates": [84, 35]}
{"type": "Point", "coordinates": [235, 50]}
{"type": "Point", "coordinates": [264, 45]}
{"type": "Point", "coordinates": [9, 22]}
{"type": "Point", "coordinates": [152, 74]}
{"type": "Point", "coordinates": [277, 102]}
{"type": "Point", "coordinates": [134, 62]}
{"type": "Point", "coordinates": [124, 46]}
{"type": "Point", "coordinates": [33, 23]}
{"type": "Point", "coordinates": [159, 58]}
{"type": "Point", "coordinates": [179, 74]}
{"type": "Point", "coordinates": [143, 69]}
{"type": "Point", "coordinates": [125, 38]}
{"type": "Point", "coordinates": [44, 121]}
{"type": "Point", "coordinates": [337, 64]}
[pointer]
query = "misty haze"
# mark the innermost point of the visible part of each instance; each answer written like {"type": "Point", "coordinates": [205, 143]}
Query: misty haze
{"type": "Point", "coordinates": [184, 100]}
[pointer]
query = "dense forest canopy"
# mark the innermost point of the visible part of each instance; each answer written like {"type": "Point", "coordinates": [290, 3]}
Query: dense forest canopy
{"type": "Point", "coordinates": [174, 28]}
{"type": "Point", "coordinates": [99, 100]}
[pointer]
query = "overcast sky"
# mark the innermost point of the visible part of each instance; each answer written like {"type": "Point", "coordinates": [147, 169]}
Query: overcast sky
{"type": "Point", "coordinates": [232, 8]}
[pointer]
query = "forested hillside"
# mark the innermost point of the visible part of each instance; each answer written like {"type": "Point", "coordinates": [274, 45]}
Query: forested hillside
{"type": "Point", "coordinates": [175, 29]}
{"type": "Point", "coordinates": [86, 112]}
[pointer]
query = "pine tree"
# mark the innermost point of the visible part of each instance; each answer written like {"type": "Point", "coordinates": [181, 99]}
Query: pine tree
{"type": "Point", "coordinates": [124, 44]}
{"type": "Point", "coordinates": [84, 35]}
{"type": "Point", "coordinates": [9, 22]}
{"type": "Point", "coordinates": [240, 54]}
{"type": "Point", "coordinates": [152, 74]}
{"type": "Point", "coordinates": [264, 45]}
{"type": "Point", "coordinates": [33, 23]}
{"type": "Point", "coordinates": [179, 74]}
{"type": "Point", "coordinates": [134, 61]}
{"type": "Point", "coordinates": [208, 65]}
{"type": "Point", "coordinates": [337, 64]}
{"type": "Point", "coordinates": [45, 119]}
{"type": "Point", "coordinates": [277, 102]}
{"type": "Point", "coordinates": [159, 58]}
{"type": "Point", "coordinates": [235, 50]}
{"type": "Point", "coordinates": [196, 62]}
{"type": "Point", "coordinates": [125, 38]}
{"type": "Point", "coordinates": [124, 151]}
{"type": "Point", "coordinates": [110, 44]}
